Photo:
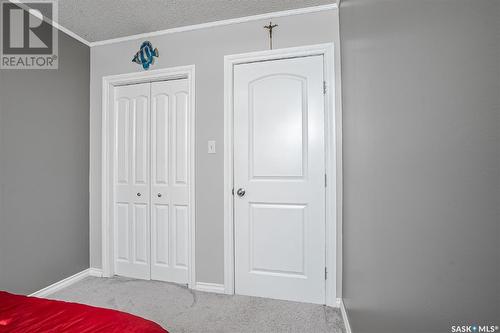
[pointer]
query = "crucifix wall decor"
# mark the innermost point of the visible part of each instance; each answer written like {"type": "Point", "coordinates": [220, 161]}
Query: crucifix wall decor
{"type": "Point", "coordinates": [270, 27]}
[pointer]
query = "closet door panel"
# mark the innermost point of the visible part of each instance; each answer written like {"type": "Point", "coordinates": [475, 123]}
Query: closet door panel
{"type": "Point", "coordinates": [132, 181]}
{"type": "Point", "coordinates": [170, 179]}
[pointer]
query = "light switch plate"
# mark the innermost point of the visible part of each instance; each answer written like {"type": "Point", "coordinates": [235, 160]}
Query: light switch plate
{"type": "Point", "coordinates": [211, 146]}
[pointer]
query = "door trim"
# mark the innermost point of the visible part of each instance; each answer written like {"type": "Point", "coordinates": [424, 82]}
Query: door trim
{"type": "Point", "coordinates": [331, 157]}
{"type": "Point", "coordinates": [108, 83]}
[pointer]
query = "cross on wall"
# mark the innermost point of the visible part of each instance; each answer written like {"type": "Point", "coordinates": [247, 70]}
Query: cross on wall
{"type": "Point", "coordinates": [270, 27]}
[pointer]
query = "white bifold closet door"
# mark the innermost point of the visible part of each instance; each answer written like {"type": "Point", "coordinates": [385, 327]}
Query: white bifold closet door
{"type": "Point", "coordinates": [169, 181]}
{"type": "Point", "coordinates": [151, 180]}
{"type": "Point", "coordinates": [132, 181]}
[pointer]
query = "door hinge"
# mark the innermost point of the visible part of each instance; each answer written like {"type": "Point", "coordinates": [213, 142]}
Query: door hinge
{"type": "Point", "coordinates": [324, 87]}
{"type": "Point", "coordinates": [326, 181]}
{"type": "Point", "coordinates": [232, 191]}
{"type": "Point", "coordinates": [326, 273]}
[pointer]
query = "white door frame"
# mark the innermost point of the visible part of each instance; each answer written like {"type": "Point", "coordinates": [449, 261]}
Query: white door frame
{"type": "Point", "coordinates": [108, 83]}
{"type": "Point", "coordinates": [327, 50]}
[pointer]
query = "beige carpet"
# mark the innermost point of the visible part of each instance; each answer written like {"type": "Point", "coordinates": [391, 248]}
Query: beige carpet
{"type": "Point", "coordinates": [179, 309]}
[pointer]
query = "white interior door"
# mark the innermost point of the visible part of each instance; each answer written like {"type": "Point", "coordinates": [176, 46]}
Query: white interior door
{"type": "Point", "coordinates": [132, 181]}
{"type": "Point", "coordinates": [279, 179]}
{"type": "Point", "coordinates": [170, 181]}
{"type": "Point", "coordinates": [152, 179]}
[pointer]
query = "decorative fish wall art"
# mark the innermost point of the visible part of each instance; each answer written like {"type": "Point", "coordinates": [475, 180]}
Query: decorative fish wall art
{"type": "Point", "coordinates": [146, 55]}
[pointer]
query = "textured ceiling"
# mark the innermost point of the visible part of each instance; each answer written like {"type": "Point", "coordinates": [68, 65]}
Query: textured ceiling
{"type": "Point", "coordinates": [97, 20]}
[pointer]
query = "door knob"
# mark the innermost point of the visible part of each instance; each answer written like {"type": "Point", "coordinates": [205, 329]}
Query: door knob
{"type": "Point", "coordinates": [241, 192]}
{"type": "Point", "coordinates": [159, 195]}
{"type": "Point", "coordinates": [138, 194]}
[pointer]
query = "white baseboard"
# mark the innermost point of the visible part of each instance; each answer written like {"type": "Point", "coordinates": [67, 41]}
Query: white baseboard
{"type": "Point", "coordinates": [97, 272]}
{"type": "Point", "coordinates": [61, 284]}
{"type": "Point", "coordinates": [345, 317]}
{"type": "Point", "coordinates": [210, 287]}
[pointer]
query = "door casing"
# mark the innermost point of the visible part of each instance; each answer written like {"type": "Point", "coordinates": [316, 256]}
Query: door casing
{"type": "Point", "coordinates": [108, 83]}
{"type": "Point", "coordinates": [331, 157]}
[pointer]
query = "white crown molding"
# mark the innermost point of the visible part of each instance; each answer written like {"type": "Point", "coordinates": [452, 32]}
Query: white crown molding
{"type": "Point", "coordinates": [71, 33]}
{"type": "Point", "coordinates": [55, 24]}
{"type": "Point", "coordinates": [61, 284]}
{"type": "Point", "coordinates": [210, 287]}
{"type": "Point", "coordinates": [243, 19]}
{"type": "Point", "coordinates": [265, 16]}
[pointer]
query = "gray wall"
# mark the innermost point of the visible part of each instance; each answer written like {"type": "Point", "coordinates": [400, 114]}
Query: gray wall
{"type": "Point", "coordinates": [44, 165]}
{"type": "Point", "coordinates": [421, 128]}
{"type": "Point", "coordinates": [205, 49]}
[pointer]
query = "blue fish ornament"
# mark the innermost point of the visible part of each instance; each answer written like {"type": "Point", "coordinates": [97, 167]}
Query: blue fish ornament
{"type": "Point", "coordinates": [146, 55]}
